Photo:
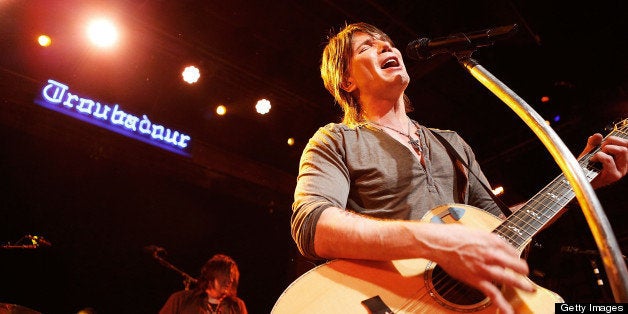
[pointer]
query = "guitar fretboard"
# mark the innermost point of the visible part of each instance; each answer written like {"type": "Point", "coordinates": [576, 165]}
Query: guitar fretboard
{"type": "Point", "coordinates": [540, 209]}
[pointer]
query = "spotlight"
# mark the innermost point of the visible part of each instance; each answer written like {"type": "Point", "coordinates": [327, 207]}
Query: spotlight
{"type": "Point", "coordinates": [44, 40]}
{"type": "Point", "coordinates": [221, 110]}
{"type": "Point", "coordinates": [191, 74]}
{"type": "Point", "coordinates": [263, 106]}
{"type": "Point", "coordinates": [102, 33]}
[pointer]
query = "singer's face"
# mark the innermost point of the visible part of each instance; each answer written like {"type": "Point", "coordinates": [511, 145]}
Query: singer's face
{"type": "Point", "coordinates": [376, 67]}
{"type": "Point", "coordinates": [220, 288]}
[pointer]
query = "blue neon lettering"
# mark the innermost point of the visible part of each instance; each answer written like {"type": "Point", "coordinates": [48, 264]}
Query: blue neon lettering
{"type": "Point", "coordinates": [130, 122]}
{"type": "Point", "coordinates": [85, 105]}
{"type": "Point", "coordinates": [101, 114]}
{"type": "Point", "coordinates": [68, 100]}
{"type": "Point", "coordinates": [183, 141]}
{"type": "Point", "coordinates": [58, 93]}
{"type": "Point", "coordinates": [145, 125]}
{"type": "Point", "coordinates": [57, 96]}
{"type": "Point", "coordinates": [117, 116]}
{"type": "Point", "coordinates": [158, 132]}
{"type": "Point", "coordinates": [171, 137]}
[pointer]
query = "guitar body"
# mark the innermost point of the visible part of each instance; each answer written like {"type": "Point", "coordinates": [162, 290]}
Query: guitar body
{"type": "Point", "coordinates": [421, 286]}
{"type": "Point", "coordinates": [403, 286]}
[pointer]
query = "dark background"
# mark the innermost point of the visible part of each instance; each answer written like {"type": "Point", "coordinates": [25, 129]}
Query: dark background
{"type": "Point", "coordinates": [100, 197]}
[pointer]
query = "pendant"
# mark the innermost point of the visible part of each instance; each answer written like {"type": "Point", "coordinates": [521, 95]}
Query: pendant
{"type": "Point", "coordinates": [415, 143]}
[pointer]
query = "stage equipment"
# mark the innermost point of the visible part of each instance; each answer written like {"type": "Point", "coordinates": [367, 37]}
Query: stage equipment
{"type": "Point", "coordinates": [425, 48]}
{"type": "Point", "coordinates": [155, 250]}
{"type": "Point", "coordinates": [462, 47]}
{"type": "Point", "coordinates": [28, 242]}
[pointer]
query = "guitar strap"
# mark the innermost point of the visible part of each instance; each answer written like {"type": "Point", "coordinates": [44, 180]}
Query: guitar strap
{"type": "Point", "coordinates": [452, 152]}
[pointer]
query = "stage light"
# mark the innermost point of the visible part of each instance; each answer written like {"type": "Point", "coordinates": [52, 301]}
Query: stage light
{"type": "Point", "coordinates": [498, 190]}
{"type": "Point", "coordinates": [102, 33]}
{"type": "Point", "coordinates": [262, 106]}
{"type": "Point", "coordinates": [291, 141]}
{"type": "Point", "coordinates": [191, 74]}
{"type": "Point", "coordinates": [44, 40]}
{"type": "Point", "coordinates": [545, 99]}
{"type": "Point", "coordinates": [221, 110]}
{"type": "Point", "coordinates": [556, 118]}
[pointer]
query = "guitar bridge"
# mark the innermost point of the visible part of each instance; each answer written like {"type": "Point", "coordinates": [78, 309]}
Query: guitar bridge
{"type": "Point", "coordinates": [377, 306]}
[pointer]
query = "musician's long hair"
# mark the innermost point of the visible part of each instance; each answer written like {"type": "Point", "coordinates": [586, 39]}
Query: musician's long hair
{"type": "Point", "coordinates": [335, 66]}
{"type": "Point", "coordinates": [223, 268]}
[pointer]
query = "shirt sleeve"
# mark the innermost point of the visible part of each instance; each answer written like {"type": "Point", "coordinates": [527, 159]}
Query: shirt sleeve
{"type": "Point", "coordinates": [242, 307]}
{"type": "Point", "coordinates": [323, 182]}
{"type": "Point", "coordinates": [172, 304]}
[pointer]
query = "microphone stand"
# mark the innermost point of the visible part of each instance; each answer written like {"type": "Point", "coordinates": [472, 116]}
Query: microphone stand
{"type": "Point", "coordinates": [15, 246]}
{"type": "Point", "coordinates": [36, 242]}
{"type": "Point", "coordinates": [187, 279]}
{"type": "Point", "coordinates": [597, 220]}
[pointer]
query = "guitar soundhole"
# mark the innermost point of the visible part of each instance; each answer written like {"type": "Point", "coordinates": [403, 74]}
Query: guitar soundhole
{"type": "Point", "coordinates": [455, 294]}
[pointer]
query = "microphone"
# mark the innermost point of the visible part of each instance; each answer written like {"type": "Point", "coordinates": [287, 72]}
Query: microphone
{"type": "Point", "coordinates": [425, 48]}
{"type": "Point", "coordinates": [153, 249]}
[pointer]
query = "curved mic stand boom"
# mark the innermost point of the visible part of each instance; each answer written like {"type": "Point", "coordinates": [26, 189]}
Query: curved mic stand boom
{"type": "Point", "coordinates": [187, 279]}
{"type": "Point", "coordinates": [598, 223]}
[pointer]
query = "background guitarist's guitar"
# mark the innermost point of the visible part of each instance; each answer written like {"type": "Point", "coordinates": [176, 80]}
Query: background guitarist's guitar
{"type": "Point", "coordinates": [419, 285]}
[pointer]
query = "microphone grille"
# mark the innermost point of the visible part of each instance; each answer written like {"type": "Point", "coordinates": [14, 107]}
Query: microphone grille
{"type": "Point", "coordinates": [421, 42]}
{"type": "Point", "coordinates": [416, 49]}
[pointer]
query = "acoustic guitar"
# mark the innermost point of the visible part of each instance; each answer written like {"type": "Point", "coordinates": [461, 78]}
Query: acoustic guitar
{"type": "Point", "coordinates": [420, 286]}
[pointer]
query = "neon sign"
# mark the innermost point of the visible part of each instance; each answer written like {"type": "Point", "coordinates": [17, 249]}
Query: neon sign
{"type": "Point", "coordinates": [56, 96]}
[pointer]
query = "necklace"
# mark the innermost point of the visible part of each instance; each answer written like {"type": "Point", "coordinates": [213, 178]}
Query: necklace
{"type": "Point", "coordinates": [213, 308]}
{"type": "Point", "coordinates": [415, 143]}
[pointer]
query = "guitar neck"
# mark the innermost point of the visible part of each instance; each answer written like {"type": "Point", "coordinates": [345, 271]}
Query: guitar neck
{"type": "Point", "coordinates": [521, 226]}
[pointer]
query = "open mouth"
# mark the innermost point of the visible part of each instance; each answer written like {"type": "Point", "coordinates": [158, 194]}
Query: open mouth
{"type": "Point", "coordinates": [390, 62]}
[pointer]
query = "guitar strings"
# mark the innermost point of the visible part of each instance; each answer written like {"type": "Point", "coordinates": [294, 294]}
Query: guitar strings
{"type": "Point", "coordinates": [558, 189]}
{"type": "Point", "coordinates": [413, 304]}
{"type": "Point", "coordinates": [591, 171]}
{"type": "Point", "coordinates": [426, 291]}
{"type": "Point", "coordinates": [449, 285]}
{"type": "Point", "coordinates": [560, 192]}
